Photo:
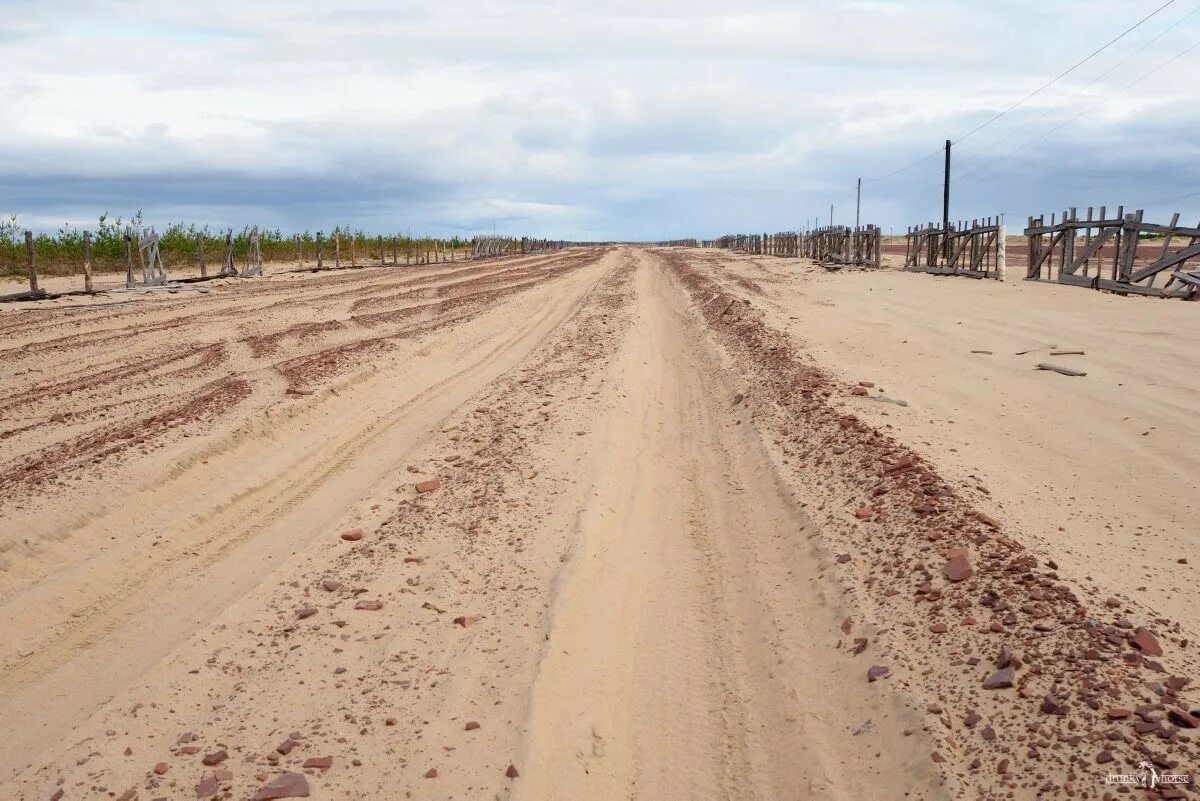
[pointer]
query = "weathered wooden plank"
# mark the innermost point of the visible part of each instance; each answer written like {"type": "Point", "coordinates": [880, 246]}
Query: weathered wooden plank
{"type": "Point", "coordinates": [31, 262]}
{"type": "Point", "coordinates": [87, 261]}
{"type": "Point", "coordinates": [1063, 370]}
{"type": "Point", "coordinates": [1158, 265]}
{"type": "Point", "coordinates": [130, 283]}
{"type": "Point", "coordinates": [32, 294]}
{"type": "Point", "coordinates": [1090, 251]}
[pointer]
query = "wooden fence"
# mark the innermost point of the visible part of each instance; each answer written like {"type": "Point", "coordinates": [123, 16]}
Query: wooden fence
{"type": "Point", "coordinates": [834, 245]}
{"type": "Point", "coordinates": [540, 245]}
{"type": "Point", "coordinates": [146, 247]}
{"type": "Point", "coordinates": [1119, 253]}
{"type": "Point", "coordinates": [742, 243]}
{"type": "Point", "coordinates": [839, 245]}
{"type": "Point", "coordinates": [976, 250]}
{"type": "Point", "coordinates": [785, 244]}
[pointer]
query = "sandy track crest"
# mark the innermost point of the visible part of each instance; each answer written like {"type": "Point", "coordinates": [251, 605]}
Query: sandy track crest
{"type": "Point", "coordinates": [680, 661]}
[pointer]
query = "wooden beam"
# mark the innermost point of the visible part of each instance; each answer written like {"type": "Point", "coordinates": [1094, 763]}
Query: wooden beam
{"type": "Point", "coordinates": [1063, 370]}
{"type": "Point", "coordinates": [87, 261]}
{"type": "Point", "coordinates": [31, 262]}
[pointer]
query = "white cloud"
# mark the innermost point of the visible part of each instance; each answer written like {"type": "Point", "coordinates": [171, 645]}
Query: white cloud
{"type": "Point", "coordinates": [577, 119]}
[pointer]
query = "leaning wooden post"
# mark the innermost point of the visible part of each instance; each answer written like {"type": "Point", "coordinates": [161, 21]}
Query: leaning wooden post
{"type": "Point", "coordinates": [33, 282]}
{"type": "Point", "coordinates": [1001, 254]}
{"type": "Point", "coordinates": [87, 261]}
{"type": "Point", "coordinates": [130, 283]}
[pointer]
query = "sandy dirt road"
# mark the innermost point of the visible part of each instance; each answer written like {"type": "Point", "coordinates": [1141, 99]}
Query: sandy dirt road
{"type": "Point", "coordinates": [607, 523]}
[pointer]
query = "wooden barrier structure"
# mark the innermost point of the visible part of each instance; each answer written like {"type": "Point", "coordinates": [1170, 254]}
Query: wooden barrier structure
{"type": "Point", "coordinates": [1108, 258]}
{"type": "Point", "coordinates": [488, 246]}
{"type": "Point", "coordinates": [976, 250]}
{"type": "Point", "coordinates": [227, 266]}
{"type": "Point", "coordinates": [254, 262]}
{"type": "Point", "coordinates": [742, 243]}
{"type": "Point", "coordinates": [529, 245]}
{"type": "Point", "coordinates": [841, 245]}
{"type": "Point", "coordinates": [784, 244]}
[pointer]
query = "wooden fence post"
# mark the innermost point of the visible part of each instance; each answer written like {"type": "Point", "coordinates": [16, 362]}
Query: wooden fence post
{"type": "Point", "coordinates": [337, 249]}
{"type": "Point", "coordinates": [87, 261]}
{"type": "Point", "coordinates": [1002, 254]}
{"type": "Point", "coordinates": [201, 255]}
{"type": "Point", "coordinates": [129, 281]}
{"type": "Point", "coordinates": [299, 253]}
{"type": "Point", "coordinates": [33, 282]}
{"type": "Point", "coordinates": [320, 261]}
{"type": "Point", "coordinates": [353, 260]}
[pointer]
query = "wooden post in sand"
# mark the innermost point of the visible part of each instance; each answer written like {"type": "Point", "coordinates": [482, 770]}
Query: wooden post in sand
{"type": "Point", "coordinates": [353, 260]}
{"type": "Point", "coordinates": [87, 261]}
{"type": "Point", "coordinates": [33, 282]}
{"type": "Point", "coordinates": [129, 281]}
{"type": "Point", "coordinates": [299, 252]}
{"type": "Point", "coordinates": [200, 255]}
{"type": "Point", "coordinates": [395, 256]}
{"type": "Point", "coordinates": [337, 248]}
{"type": "Point", "coordinates": [382, 260]}
{"type": "Point", "coordinates": [320, 260]}
{"type": "Point", "coordinates": [1001, 255]}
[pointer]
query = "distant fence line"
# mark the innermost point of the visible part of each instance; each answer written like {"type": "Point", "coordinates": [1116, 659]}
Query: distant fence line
{"type": "Point", "coordinates": [116, 250]}
{"type": "Point", "coordinates": [835, 245]}
{"type": "Point", "coordinates": [186, 247]}
{"type": "Point", "coordinates": [486, 246]}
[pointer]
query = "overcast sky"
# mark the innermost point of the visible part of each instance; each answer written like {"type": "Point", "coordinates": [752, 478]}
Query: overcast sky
{"type": "Point", "coordinates": [633, 119]}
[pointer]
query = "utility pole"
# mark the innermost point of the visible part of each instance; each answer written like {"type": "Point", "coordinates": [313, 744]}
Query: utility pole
{"type": "Point", "coordinates": [946, 207]}
{"type": "Point", "coordinates": [858, 205]}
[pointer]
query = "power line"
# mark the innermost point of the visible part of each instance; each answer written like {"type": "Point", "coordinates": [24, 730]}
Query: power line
{"type": "Point", "coordinates": [1081, 91]}
{"type": "Point", "coordinates": [1062, 75]}
{"type": "Point", "coordinates": [1092, 107]}
{"type": "Point", "coordinates": [934, 154]}
{"type": "Point", "coordinates": [1165, 200]}
{"type": "Point", "coordinates": [1031, 95]}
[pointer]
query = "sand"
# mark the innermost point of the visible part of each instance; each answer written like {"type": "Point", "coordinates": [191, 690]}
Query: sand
{"type": "Point", "coordinates": [618, 527]}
